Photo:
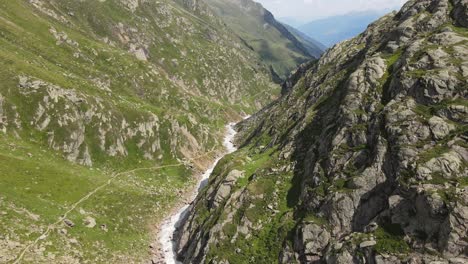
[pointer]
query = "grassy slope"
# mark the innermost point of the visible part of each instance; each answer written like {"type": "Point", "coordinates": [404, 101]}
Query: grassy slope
{"type": "Point", "coordinates": [38, 185]}
{"type": "Point", "coordinates": [273, 47]}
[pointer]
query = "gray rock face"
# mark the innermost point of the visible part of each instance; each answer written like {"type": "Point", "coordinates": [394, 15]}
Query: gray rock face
{"type": "Point", "coordinates": [311, 240]}
{"type": "Point", "coordinates": [460, 12]}
{"type": "Point", "coordinates": [440, 129]}
{"type": "Point", "coordinates": [221, 191]}
{"type": "Point", "coordinates": [376, 133]}
{"type": "Point", "coordinates": [225, 189]}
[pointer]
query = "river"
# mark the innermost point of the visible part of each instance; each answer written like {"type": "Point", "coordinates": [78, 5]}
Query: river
{"type": "Point", "coordinates": [170, 225]}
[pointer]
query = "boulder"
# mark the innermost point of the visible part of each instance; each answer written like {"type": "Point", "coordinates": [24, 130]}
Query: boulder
{"type": "Point", "coordinates": [368, 243]}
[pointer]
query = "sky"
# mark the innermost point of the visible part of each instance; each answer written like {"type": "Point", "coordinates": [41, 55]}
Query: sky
{"type": "Point", "coordinates": [308, 10]}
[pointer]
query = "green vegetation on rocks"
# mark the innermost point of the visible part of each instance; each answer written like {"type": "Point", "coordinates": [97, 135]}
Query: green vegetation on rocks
{"type": "Point", "coordinates": [374, 138]}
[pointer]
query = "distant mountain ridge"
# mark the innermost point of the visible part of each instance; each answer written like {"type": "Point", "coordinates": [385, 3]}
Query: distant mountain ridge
{"type": "Point", "coordinates": [276, 45]}
{"type": "Point", "coordinates": [332, 30]}
{"type": "Point", "coordinates": [313, 46]}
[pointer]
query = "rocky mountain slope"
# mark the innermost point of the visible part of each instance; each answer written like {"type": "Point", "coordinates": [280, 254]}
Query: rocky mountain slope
{"type": "Point", "coordinates": [107, 110]}
{"type": "Point", "coordinates": [364, 158]}
{"type": "Point", "coordinates": [276, 45]}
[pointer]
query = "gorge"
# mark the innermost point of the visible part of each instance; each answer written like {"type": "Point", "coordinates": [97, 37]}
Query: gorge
{"type": "Point", "coordinates": [117, 143]}
{"type": "Point", "coordinates": [173, 222]}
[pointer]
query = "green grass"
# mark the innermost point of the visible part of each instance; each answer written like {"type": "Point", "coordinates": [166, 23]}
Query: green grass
{"type": "Point", "coordinates": [256, 163]}
{"type": "Point", "coordinates": [431, 153]}
{"type": "Point", "coordinates": [459, 30]}
{"type": "Point", "coordinates": [390, 240]}
{"type": "Point", "coordinates": [47, 185]}
{"type": "Point", "coordinates": [341, 185]}
{"type": "Point", "coordinates": [264, 245]}
{"type": "Point", "coordinates": [199, 94]}
{"type": "Point", "coordinates": [427, 111]}
{"type": "Point", "coordinates": [386, 79]}
{"type": "Point", "coordinates": [316, 220]}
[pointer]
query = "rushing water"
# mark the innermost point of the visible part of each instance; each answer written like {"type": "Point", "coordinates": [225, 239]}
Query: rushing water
{"type": "Point", "coordinates": [172, 223]}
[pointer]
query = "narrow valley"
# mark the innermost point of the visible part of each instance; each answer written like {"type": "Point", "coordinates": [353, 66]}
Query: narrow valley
{"type": "Point", "coordinates": [117, 141]}
{"type": "Point", "coordinates": [175, 221]}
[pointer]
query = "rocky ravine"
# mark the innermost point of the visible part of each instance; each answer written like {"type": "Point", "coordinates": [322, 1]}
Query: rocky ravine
{"type": "Point", "coordinates": [173, 222]}
{"type": "Point", "coordinates": [362, 160]}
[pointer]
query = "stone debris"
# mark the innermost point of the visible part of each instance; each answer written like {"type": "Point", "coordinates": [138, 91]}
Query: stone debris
{"type": "Point", "coordinates": [89, 222]}
{"type": "Point", "coordinates": [69, 223]}
{"type": "Point", "coordinates": [369, 243]}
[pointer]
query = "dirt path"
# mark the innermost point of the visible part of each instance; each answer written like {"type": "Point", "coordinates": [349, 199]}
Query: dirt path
{"type": "Point", "coordinates": [54, 225]}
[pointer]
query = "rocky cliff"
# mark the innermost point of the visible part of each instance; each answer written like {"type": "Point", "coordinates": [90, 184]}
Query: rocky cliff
{"type": "Point", "coordinates": [362, 160]}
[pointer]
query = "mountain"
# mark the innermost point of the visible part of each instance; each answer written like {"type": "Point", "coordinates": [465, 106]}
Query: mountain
{"type": "Point", "coordinates": [109, 109]}
{"type": "Point", "coordinates": [314, 47]}
{"type": "Point", "coordinates": [260, 31]}
{"type": "Point", "coordinates": [294, 22]}
{"type": "Point", "coordinates": [332, 30]}
{"type": "Point", "coordinates": [363, 159]}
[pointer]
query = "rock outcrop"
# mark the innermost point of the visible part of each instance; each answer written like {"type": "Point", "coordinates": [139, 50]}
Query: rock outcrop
{"type": "Point", "coordinates": [122, 85]}
{"type": "Point", "coordinates": [362, 160]}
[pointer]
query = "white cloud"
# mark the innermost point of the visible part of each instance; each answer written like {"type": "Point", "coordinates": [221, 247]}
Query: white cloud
{"type": "Point", "coordinates": [313, 9]}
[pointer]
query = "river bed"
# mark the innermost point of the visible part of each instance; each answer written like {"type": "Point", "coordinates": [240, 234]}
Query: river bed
{"type": "Point", "coordinates": [171, 224]}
